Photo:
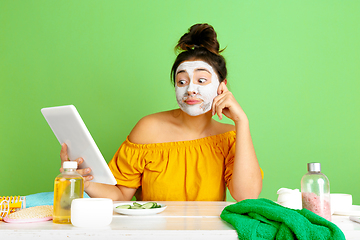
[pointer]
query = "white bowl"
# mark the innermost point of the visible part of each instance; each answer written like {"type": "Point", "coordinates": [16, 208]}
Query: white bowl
{"type": "Point", "coordinates": [91, 212]}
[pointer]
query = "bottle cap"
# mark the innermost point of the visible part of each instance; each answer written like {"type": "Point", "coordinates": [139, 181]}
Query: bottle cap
{"type": "Point", "coordinates": [70, 164]}
{"type": "Point", "coordinates": [314, 167]}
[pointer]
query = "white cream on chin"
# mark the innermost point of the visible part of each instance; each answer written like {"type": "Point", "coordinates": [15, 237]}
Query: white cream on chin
{"type": "Point", "coordinates": [206, 93]}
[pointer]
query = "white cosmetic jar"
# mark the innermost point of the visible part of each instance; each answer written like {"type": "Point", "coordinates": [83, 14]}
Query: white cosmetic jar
{"type": "Point", "coordinates": [340, 202]}
{"type": "Point", "coordinates": [91, 212]}
{"type": "Point", "coordinates": [290, 198]}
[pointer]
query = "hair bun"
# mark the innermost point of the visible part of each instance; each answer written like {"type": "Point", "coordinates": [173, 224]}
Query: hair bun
{"type": "Point", "coordinates": [199, 35]}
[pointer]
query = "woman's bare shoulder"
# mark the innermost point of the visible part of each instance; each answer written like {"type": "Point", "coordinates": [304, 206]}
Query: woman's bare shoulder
{"type": "Point", "coordinates": [149, 127]}
{"type": "Point", "coordinates": [223, 127]}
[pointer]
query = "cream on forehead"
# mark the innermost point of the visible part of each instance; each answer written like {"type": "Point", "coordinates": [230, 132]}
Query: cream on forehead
{"type": "Point", "coordinates": [191, 66]}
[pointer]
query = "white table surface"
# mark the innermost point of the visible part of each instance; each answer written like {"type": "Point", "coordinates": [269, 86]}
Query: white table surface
{"type": "Point", "coordinates": [181, 220]}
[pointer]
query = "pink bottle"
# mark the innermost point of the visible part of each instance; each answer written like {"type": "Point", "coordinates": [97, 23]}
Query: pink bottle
{"type": "Point", "coordinates": [315, 191]}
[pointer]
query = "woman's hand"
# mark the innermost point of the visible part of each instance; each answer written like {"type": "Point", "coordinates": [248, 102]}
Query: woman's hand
{"type": "Point", "coordinates": [83, 172]}
{"type": "Point", "coordinates": [225, 103]}
{"type": "Point", "coordinates": [98, 190]}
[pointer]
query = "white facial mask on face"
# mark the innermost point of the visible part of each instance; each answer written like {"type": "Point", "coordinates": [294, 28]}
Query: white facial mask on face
{"type": "Point", "coordinates": [206, 93]}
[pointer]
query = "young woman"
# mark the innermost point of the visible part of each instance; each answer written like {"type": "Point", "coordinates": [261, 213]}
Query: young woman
{"type": "Point", "coordinates": [184, 154]}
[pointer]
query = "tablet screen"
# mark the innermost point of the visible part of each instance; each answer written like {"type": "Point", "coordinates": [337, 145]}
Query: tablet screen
{"type": "Point", "coordinates": [69, 128]}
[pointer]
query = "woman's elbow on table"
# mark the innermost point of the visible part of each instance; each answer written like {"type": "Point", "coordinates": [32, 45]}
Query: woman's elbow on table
{"type": "Point", "coordinates": [250, 192]}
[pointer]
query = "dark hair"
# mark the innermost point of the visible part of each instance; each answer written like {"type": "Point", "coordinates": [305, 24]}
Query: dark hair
{"type": "Point", "coordinates": [200, 43]}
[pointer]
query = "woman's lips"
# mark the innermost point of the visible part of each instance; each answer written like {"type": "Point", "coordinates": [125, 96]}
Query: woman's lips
{"type": "Point", "coordinates": [193, 101]}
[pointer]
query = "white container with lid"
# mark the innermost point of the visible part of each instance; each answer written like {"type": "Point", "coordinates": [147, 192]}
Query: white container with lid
{"type": "Point", "coordinates": [290, 198]}
{"type": "Point", "coordinates": [91, 212]}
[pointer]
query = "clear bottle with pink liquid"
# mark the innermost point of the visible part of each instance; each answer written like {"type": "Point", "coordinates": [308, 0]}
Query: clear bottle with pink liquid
{"type": "Point", "coordinates": [315, 191]}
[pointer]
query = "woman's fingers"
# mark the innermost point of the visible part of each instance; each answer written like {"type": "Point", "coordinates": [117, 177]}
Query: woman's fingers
{"type": "Point", "coordinates": [222, 107]}
{"type": "Point", "coordinates": [222, 90]}
{"type": "Point", "coordinates": [220, 95]}
{"type": "Point", "coordinates": [79, 161]}
{"type": "Point", "coordinates": [220, 103]}
{"type": "Point", "coordinates": [226, 104]}
{"type": "Point", "coordinates": [215, 108]}
{"type": "Point", "coordinates": [63, 153]}
{"type": "Point", "coordinates": [85, 173]}
{"type": "Point", "coordinates": [64, 157]}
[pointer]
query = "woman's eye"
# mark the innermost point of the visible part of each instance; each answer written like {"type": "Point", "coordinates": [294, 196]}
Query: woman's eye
{"type": "Point", "coordinates": [202, 80]}
{"type": "Point", "coordinates": [181, 82]}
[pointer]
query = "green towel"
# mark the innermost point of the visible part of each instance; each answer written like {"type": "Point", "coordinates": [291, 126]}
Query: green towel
{"type": "Point", "coordinates": [265, 219]}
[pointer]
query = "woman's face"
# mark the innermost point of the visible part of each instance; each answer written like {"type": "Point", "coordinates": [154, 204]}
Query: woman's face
{"type": "Point", "coordinates": [196, 87]}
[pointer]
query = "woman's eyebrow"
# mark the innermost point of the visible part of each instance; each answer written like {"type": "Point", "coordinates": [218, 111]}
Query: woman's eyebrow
{"type": "Point", "coordinates": [180, 71]}
{"type": "Point", "coordinates": [202, 69]}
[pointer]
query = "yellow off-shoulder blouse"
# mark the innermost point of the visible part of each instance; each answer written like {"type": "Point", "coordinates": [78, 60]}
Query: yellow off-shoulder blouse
{"type": "Point", "coordinates": [196, 170]}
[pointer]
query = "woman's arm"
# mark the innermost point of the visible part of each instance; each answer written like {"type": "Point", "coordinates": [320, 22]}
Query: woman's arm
{"type": "Point", "coordinates": [116, 193]}
{"type": "Point", "coordinates": [246, 180]}
{"type": "Point", "coordinates": [93, 189]}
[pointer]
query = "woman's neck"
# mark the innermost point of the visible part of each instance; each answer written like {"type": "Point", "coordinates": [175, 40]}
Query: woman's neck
{"type": "Point", "coordinates": [194, 125]}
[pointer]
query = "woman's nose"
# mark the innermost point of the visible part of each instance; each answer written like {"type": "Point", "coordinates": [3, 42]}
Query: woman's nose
{"type": "Point", "coordinates": [192, 90]}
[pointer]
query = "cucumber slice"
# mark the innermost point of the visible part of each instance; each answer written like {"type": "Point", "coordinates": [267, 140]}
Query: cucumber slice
{"type": "Point", "coordinates": [137, 204]}
{"type": "Point", "coordinates": [149, 205]}
{"type": "Point", "coordinates": [136, 207]}
{"type": "Point", "coordinates": [123, 207]}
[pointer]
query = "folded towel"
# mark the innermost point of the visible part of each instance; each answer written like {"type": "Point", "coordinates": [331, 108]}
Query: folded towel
{"type": "Point", "coordinates": [43, 198]}
{"type": "Point", "coordinates": [265, 219]}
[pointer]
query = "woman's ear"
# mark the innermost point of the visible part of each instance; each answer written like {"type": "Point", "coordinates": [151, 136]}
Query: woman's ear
{"type": "Point", "coordinates": [222, 87]}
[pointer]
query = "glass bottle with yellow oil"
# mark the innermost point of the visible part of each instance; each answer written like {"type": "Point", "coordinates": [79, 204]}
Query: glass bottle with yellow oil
{"type": "Point", "coordinates": [68, 186]}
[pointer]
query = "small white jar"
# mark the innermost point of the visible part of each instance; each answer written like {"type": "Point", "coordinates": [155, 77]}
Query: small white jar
{"type": "Point", "coordinates": [340, 202]}
{"type": "Point", "coordinates": [91, 212]}
{"type": "Point", "coordinates": [290, 198]}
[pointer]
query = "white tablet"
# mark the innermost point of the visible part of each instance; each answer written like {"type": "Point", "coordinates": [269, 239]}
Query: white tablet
{"type": "Point", "coordinates": [69, 128]}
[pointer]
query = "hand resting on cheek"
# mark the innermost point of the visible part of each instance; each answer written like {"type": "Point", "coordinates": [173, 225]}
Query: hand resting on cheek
{"type": "Point", "coordinates": [225, 103]}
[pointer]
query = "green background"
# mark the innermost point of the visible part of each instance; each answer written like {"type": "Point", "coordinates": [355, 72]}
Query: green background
{"type": "Point", "coordinates": [294, 66]}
